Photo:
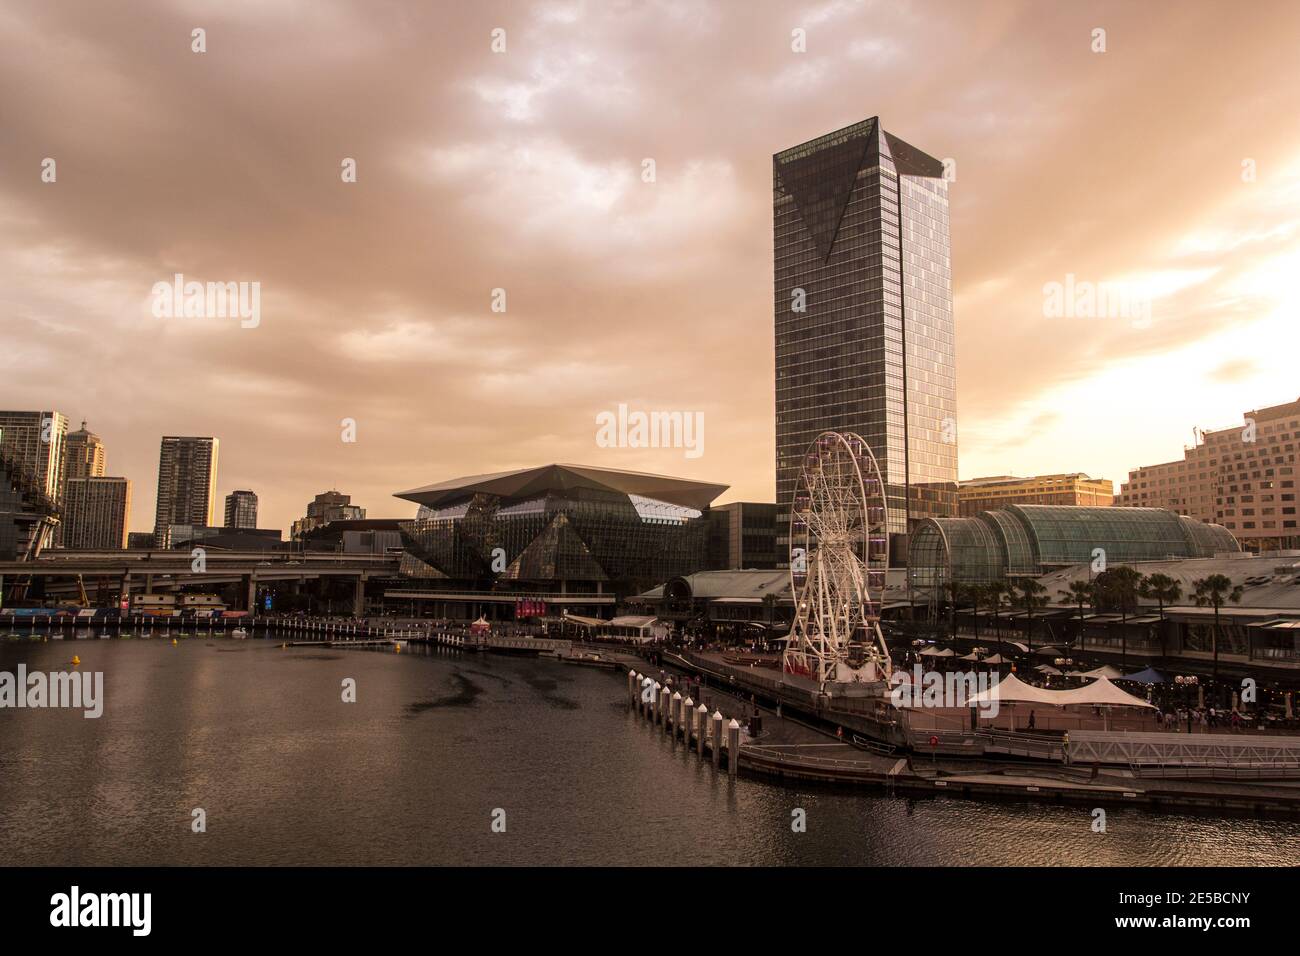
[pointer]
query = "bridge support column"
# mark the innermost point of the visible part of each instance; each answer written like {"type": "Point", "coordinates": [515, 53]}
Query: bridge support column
{"type": "Point", "coordinates": [125, 591]}
{"type": "Point", "coordinates": [359, 597]}
{"type": "Point", "coordinates": [250, 601]}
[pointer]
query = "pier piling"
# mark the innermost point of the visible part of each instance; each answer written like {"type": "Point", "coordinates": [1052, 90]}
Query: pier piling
{"type": "Point", "coordinates": [733, 747]}
{"type": "Point", "coordinates": [716, 738]}
{"type": "Point", "coordinates": [701, 720]}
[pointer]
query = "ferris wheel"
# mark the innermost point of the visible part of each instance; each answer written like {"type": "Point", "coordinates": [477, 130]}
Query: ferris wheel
{"type": "Point", "coordinates": [839, 556]}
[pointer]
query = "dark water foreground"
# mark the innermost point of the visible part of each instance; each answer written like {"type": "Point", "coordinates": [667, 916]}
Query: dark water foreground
{"type": "Point", "coordinates": [259, 738]}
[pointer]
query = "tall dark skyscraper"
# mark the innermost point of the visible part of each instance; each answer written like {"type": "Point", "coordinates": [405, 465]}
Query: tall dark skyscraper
{"type": "Point", "coordinates": [865, 339]}
{"type": "Point", "coordinates": [187, 483]}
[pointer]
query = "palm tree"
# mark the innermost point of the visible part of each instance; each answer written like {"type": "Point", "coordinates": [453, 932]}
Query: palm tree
{"type": "Point", "coordinates": [1118, 587]}
{"type": "Point", "coordinates": [954, 588]}
{"type": "Point", "coordinates": [996, 591]}
{"type": "Point", "coordinates": [1078, 592]}
{"type": "Point", "coordinates": [1164, 590]}
{"type": "Point", "coordinates": [978, 594]}
{"type": "Point", "coordinates": [1212, 592]}
{"type": "Point", "coordinates": [1031, 596]}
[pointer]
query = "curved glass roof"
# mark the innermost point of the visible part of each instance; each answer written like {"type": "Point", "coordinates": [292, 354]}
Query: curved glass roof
{"type": "Point", "coordinates": [1023, 540]}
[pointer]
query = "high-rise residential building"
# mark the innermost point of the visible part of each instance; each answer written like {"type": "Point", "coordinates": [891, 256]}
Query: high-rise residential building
{"type": "Point", "coordinates": [326, 507]}
{"type": "Point", "coordinates": [35, 442]}
{"type": "Point", "coordinates": [865, 340]}
{"type": "Point", "coordinates": [985, 494]}
{"type": "Point", "coordinates": [1242, 477]}
{"type": "Point", "coordinates": [85, 454]}
{"type": "Point", "coordinates": [187, 484]}
{"type": "Point", "coordinates": [27, 514]}
{"type": "Point", "coordinates": [96, 513]}
{"type": "Point", "coordinates": [241, 509]}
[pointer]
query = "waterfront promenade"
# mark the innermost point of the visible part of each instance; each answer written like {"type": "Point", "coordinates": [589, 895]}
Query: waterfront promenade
{"type": "Point", "coordinates": [798, 745]}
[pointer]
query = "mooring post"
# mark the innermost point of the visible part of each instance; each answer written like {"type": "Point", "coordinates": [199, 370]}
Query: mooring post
{"type": "Point", "coordinates": [631, 686]}
{"type": "Point", "coordinates": [688, 720]}
{"type": "Point", "coordinates": [701, 724]}
{"type": "Point", "coordinates": [665, 708]}
{"type": "Point", "coordinates": [733, 747]}
{"type": "Point", "coordinates": [676, 711]}
{"type": "Point", "coordinates": [715, 740]}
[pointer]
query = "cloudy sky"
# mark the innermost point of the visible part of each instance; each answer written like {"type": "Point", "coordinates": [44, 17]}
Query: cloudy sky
{"type": "Point", "coordinates": [1168, 164]}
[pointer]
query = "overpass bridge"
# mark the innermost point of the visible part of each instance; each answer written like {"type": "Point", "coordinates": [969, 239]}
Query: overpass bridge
{"type": "Point", "coordinates": [154, 571]}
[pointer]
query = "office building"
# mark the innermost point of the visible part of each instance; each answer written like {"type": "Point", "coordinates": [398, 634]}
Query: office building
{"type": "Point", "coordinates": [85, 454]}
{"type": "Point", "coordinates": [241, 509]}
{"type": "Point", "coordinates": [865, 340]}
{"type": "Point", "coordinates": [985, 494]}
{"type": "Point", "coordinates": [742, 535]}
{"type": "Point", "coordinates": [328, 506]}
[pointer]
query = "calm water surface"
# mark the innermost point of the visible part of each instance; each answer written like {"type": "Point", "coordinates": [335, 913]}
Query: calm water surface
{"type": "Point", "coordinates": [259, 737]}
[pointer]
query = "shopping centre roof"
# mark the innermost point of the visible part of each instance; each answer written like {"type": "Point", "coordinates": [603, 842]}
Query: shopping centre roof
{"type": "Point", "coordinates": [1270, 580]}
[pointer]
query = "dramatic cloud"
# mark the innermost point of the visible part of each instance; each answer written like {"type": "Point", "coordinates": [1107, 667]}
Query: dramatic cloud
{"type": "Point", "coordinates": [1167, 165]}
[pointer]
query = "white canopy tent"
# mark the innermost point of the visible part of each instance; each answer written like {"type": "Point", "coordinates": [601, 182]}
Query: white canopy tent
{"type": "Point", "coordinates": [1100, 693]}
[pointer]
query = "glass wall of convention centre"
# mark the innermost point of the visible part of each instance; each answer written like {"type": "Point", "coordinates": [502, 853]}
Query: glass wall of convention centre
{"type": "Point", "coordinates": [574, 539]}
{"type": "Point", "coordinates": [1029, 540]}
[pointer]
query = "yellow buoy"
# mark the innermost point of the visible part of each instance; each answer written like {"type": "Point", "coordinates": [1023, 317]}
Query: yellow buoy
{"type": "Point", "coordinates": [173, 642]}
{"type": "Point", "coordinates": [76, 659]}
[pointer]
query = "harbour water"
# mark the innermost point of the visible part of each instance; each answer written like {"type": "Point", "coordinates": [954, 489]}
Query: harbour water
{"type": "Point", "coordinates": [286, 772]}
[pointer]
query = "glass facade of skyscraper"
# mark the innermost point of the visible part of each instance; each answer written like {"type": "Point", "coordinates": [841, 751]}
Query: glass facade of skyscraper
{"type": "Point", "coordinates": [863, 316]}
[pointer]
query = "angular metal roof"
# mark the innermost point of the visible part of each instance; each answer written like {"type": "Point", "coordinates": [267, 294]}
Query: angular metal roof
{"type": "Point", "coordinates": [531, 482]}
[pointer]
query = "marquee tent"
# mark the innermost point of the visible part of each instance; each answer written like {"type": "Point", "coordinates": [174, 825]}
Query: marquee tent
{"type": "Point", "coordinates": [1100, 693]}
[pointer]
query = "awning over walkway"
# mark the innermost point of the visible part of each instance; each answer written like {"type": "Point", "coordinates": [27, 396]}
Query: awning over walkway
{"type": "Point", "coordinates": [584, 621]}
